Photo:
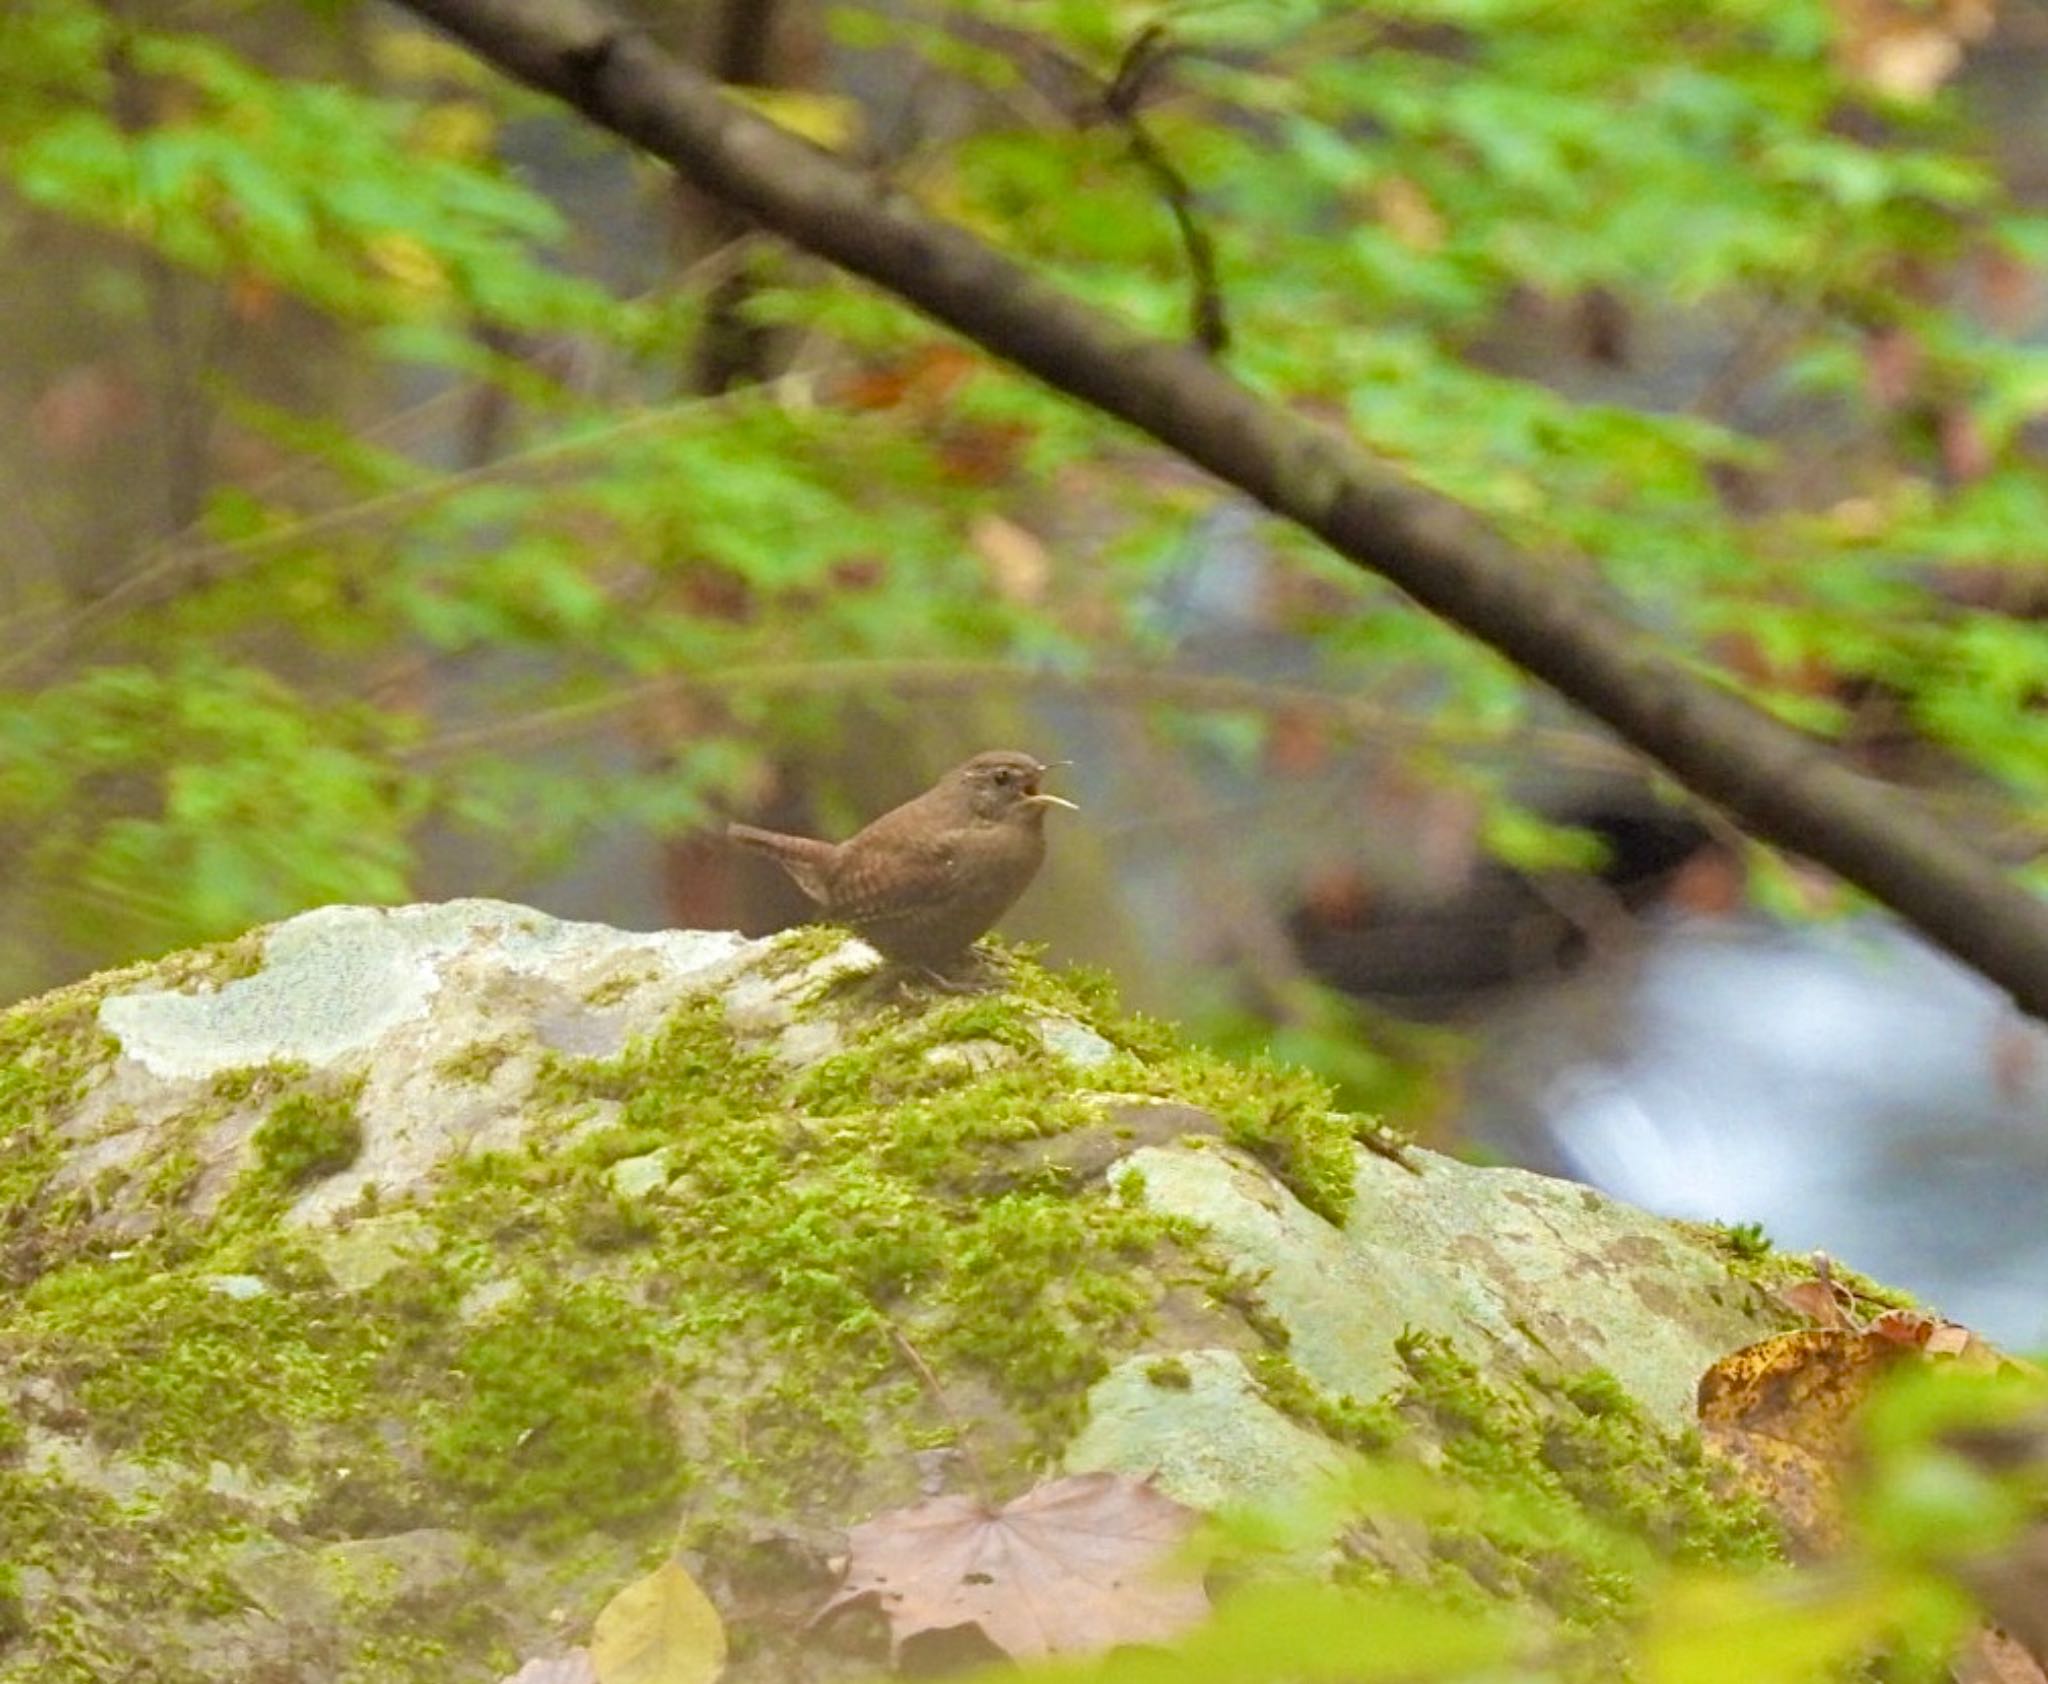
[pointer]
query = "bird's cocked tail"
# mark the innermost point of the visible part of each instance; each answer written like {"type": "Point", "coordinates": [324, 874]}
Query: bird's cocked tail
{"type": "Point", "coordinates": [804, 858]}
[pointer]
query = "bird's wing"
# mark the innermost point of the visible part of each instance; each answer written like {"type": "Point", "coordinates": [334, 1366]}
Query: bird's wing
{"type": "Point", "coordinates": [874, 885]}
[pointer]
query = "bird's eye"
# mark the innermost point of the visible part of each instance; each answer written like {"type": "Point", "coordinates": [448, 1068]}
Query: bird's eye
{"type": "Point", "coordinates": [1003, 774]}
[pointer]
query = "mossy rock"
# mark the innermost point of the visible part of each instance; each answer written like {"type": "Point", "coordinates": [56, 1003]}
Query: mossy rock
{"type": "Point", "coordinates": [394, 1279]}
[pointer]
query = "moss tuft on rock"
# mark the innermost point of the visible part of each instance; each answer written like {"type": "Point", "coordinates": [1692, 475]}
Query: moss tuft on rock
{"type": "Point", "coordinates": [308, 1135]}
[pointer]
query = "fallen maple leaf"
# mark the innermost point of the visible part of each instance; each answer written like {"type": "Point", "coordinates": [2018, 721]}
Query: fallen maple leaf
{"type": "Point", "coordinates": [572, 1668]}
{"type": "Point", "coordinates": [1074, 1566]}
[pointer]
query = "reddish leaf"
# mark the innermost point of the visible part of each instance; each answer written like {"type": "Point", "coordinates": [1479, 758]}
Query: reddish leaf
{"type": "Point", "coordinates": [1821, 1300]}
{"type": "Point", "coordinates": [1073, 1566]}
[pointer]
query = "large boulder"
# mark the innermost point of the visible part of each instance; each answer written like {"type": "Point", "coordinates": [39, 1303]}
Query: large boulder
{"type": "Point", "coordinates": [380, 1292]}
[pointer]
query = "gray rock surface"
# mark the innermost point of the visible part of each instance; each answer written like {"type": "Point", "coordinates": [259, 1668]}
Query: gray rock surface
{"type": "Point", "coordinates": [404, 1285]}
{"type": "Point", "coordinates": [1207, 1435]}
{"type": "Point", "coordinates": [1513, 1269]}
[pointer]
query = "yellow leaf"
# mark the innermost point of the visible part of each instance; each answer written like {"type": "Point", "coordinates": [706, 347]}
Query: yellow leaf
{"type": "Point", "coordinates": [827, 120]}
{"type": "Point", "coordinates": [408, 262]}
{"type": "Point", "coordinates": [456, 128]}
{"type": "Point", "coordinates": [659, 1630]}
{"type": "Point", "coordinates": [410, 54]}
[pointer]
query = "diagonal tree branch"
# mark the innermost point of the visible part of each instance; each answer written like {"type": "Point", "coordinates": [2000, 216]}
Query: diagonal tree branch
{"type": "Point", "coordinates": [1786, 787]}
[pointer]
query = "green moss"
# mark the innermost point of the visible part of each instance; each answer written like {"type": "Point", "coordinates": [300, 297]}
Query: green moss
{"type": "Point", "coordinates": [1238, 1291]}
{"type": "Point", "coordinates": [1169, 1374]}
{"type": "Point", "coordinates": [51, 1052]}
{"type": "Point", "coordinates": [560, 1419]}
{"type": "Point", "coordinates": [1546, 1461]}
{"type": "Point", "coordinates": [1752, 1257]}
{"type": "Point", "coordinates": [619, 987]}
{"type": "Point", "coordinates": [478, 1062]}
{"type": "Point", "coordinates": [1558, 1491]}
{"type": "Point", "coordinates": [199, 969]}
{"type": "Point", "coordinates": [1281, 1116]}
{"type": "Point", "coordinates": [14, 1621]}
{"type": "Point", "coordinates": [1746, 1240]}
{"type": "Point", "coordinates": [309, 1135]}
{"type": "Point", "coordinates": [846, 1199]}
{"type": "Point", "coordinates": [256, 1083]}
{"type": "Point", "coordinates": [163, 1365]}
{"type": "Point", "coordinates": [1370, 1427]}
{"type": "Point", "coordinates": [805, 945]}
{"type": "Point", "coordinates": [599, 1219]}
{"type": "Point", "coordinates": [172, 1176]}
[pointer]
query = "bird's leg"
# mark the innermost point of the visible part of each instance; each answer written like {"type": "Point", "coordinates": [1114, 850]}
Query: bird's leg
{"type": "Point", "coordinates": [913, 980]}
{"type": "Point", "coordinates": [945, 984]}
{"type": "Point", "coordinates": [992, 963]}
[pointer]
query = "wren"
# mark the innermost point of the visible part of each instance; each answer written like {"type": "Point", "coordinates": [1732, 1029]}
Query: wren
{"type": "Point", "coordinates": [928, 878]}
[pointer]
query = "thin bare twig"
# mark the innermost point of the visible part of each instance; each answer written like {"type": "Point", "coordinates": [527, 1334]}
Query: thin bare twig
{"type": "Point", "coordinates": [1217, 693]}
{"type": "Point", "coordinates": [215, 560]}
{"type": "Point", "coordinates": [175, 558]}
{"type": "Point", "coordinates": [1209, 322]}
{"type": "Point", "coordinates": [937, 1393]}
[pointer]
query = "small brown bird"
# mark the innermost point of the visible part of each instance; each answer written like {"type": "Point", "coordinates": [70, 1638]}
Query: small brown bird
{"type": "Point", "coordinates": [928, 877]}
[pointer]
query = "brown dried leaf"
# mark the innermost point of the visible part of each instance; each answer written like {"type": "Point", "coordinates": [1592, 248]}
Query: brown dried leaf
{"type": "Point", "coordinates": [1904, 1327]}
{"type": "Point", "coordinates": [1074, 1566]}
{"type": "Point", "coordinates": [1822, 1301]}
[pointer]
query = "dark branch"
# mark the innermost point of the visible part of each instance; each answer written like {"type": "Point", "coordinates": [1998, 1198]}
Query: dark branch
{"type": "Point", "coordinates": [1207, 318]}
{"type": "Point", "coordinates": [1548, 620]}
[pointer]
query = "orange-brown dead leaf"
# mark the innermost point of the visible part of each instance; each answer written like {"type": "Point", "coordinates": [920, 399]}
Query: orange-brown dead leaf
{"type": "Point", "coordinates": [927, 377]}
{"type": "Point", "coordinates": [1781, 1414]}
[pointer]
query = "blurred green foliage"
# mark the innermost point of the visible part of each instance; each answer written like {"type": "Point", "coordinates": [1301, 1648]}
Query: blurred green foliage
{"type": "Point", "coordinates": [368, 642]}
{"type": "Point", "coordinates": [1887, 1605]}
{"type": "Point", "coordinates": [361, 642]}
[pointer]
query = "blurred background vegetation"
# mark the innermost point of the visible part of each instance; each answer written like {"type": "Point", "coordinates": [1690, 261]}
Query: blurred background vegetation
{"type": "Point", "coordinates": [407, 493]}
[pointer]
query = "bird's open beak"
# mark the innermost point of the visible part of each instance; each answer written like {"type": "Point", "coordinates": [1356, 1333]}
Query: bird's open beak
{"type": "Point", "coordinates": [1043, 800]}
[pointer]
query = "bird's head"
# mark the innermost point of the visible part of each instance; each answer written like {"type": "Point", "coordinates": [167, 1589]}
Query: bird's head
{"type": "Point", "coordinates": [1004, 784]}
